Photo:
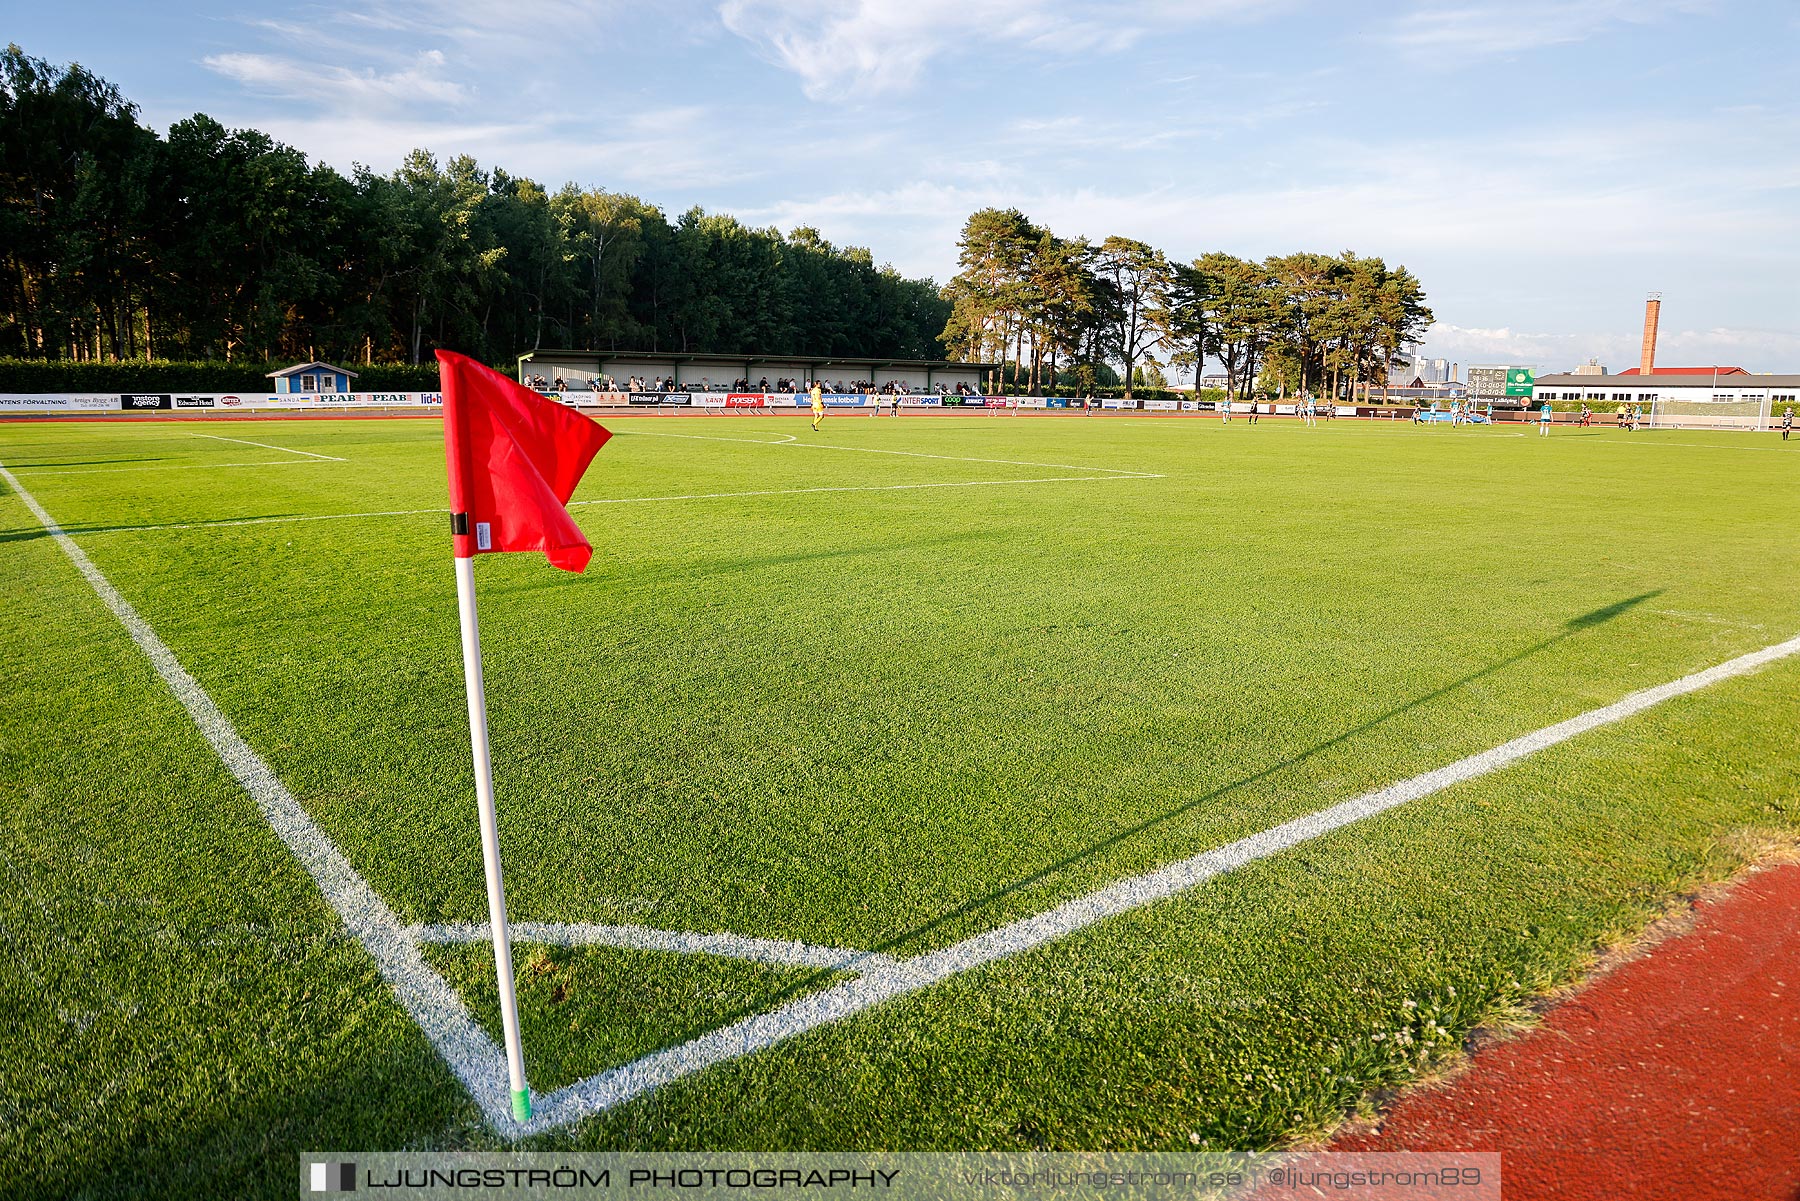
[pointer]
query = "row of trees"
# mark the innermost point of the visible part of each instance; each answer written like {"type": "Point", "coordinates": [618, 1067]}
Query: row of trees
{"type": "Point", "coordinates": [211, 243]}
{"type": "Point", "coordinates": [214, 243]}
{"type": "Point", "coordinates": [1060, 311]}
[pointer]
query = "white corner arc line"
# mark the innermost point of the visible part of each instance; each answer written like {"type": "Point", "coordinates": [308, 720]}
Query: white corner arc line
{"type": "Point", "coordinates": [679, 942]}
{"type": "Point", "coordinates": [286, 450]}
{"type": "Point", "coordinates": [833, 1004]}
{"type": "Point", "coordinates": [474, 1058]}
{"type": "Point", "coordinates": [433, 1004]}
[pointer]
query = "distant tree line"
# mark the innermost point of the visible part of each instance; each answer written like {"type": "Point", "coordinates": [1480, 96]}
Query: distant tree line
{"type": "Point", "coordinates": [209, 243]}
{"type": "Point", "coordinates": [1061, 312]}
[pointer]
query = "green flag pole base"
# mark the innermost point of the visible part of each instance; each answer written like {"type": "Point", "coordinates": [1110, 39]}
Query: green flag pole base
{"type": "Point", "coordinates": [521, 1105]}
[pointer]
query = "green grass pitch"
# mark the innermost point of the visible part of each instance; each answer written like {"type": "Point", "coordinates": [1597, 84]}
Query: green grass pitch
{"type": "Point", "coordinates": [879, 701]}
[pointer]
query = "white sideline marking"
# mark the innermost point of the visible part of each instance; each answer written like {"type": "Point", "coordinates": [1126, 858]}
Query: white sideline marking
{"type": "Point", "coordinates": [433, 1004]}
{"type": "Point", "coordinates": [286, 450]}
{"type": "Point", "coordinates": [648, 938]}
{"type": "Point", "coordinates": [1692, 445]}
{"type": "Point", "coordinates": [755, 1033]}
{"type": "Point", "coordinates": [474, 1058]}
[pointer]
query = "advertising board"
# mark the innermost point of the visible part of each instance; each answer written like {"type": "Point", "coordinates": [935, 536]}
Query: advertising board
{"type": "Point", "coordinates": [57, 402]}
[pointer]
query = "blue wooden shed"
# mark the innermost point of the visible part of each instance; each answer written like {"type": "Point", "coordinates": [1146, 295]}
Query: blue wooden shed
{"type": "Point", "coordinates": [312, 377]}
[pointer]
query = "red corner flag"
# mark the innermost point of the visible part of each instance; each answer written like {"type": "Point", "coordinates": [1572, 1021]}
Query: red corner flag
{"type": "Point", "coordinates": [514, 458]}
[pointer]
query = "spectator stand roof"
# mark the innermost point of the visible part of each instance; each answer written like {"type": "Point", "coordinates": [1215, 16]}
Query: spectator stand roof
{"type": "Point", "coordinates": [600, 362]}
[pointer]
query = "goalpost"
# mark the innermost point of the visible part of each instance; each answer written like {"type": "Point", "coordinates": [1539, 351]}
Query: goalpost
{"type": "Point", "coordinates": [1738, 413]}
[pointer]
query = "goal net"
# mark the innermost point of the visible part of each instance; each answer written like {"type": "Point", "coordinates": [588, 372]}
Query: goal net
{"type": "Point", "coordinates": [1736, 413]}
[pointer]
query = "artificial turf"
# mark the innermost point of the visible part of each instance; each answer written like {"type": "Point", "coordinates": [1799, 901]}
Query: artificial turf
{"type": "Point", "coordinates": [853, 711]}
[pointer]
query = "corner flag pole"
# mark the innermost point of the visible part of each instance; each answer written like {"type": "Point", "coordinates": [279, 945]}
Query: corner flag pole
{"type": "Point", "coordinates": [490, 831]}
{"type": "Point", "coordinates": [512, 459]}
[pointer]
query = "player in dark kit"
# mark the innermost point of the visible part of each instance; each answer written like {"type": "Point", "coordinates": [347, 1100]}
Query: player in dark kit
{"type": "Point", "coordinates": [1787, 422]}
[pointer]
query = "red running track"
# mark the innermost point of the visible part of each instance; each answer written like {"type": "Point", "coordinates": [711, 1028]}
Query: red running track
{"type": "Point", "coordinates": [1675, 1077]}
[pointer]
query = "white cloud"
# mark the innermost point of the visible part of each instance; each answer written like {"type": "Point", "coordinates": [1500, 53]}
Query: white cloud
{"type": "Point", "coordinates": [1457, 32]}
{"type": "Point", "coordinates": [873, 47]}
{"type": "Point", "coordinates": [672, 152]}
{"type": "Point", "coordinates": [1617, 349]}
{"type": "Point", "coordinates": [343, 88]}
{"type": "Point", "coordinates": [484, 27]}
{"type": "Point", "coordinates": [364, 59]}
{"type": "Point", "coordinates": [1518, 213]}
{"type": "Point", "coordinates": [1409, 203]}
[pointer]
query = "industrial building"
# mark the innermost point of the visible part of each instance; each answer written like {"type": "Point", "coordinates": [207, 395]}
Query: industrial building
{"type": "Point", "coordinates": [1713, 396]}
{"type": "Point", "coordinates": [1680, 384]}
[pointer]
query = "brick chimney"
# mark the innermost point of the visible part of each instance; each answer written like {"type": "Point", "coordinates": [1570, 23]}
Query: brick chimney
{"type": "Point", "coordinates": [1652, 317]}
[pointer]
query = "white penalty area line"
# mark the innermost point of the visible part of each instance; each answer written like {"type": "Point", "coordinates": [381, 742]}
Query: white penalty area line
{"type": "Point", "coordinates": [793, 440]}
{"type": "Point", "coordinates": [307, 456]}
{"type": "Point", "coordinates": [472, 1055]}
{"type": "Point", "coordinates": [1056, 479]}
{"type": "Point", "coordinates": [173, 467]}
{"type": "Point", "coordinates": [226, 522]}
{"type": "Point", "coordinates": [610, 500]}
{"type": "Point", "coordinates": [286, 450]}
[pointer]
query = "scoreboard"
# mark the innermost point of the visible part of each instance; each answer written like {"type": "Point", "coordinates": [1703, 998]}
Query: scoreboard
{"type": "Point", "coordinates": [1502, 384]}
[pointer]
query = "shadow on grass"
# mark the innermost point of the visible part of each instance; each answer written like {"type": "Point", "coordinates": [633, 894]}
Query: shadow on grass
{"type": "Point", "coordinates": [1574, 625]}
{"type": "Point", "coordinates": [731, 566]}
{"type": "Point", "coordinates": [393, 1093]}
{"type": "Point", "coordinates": [638, 576]}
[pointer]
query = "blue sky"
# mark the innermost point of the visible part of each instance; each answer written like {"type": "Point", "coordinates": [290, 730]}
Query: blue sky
{"type": "Point", "coordinates": [1539, 165]}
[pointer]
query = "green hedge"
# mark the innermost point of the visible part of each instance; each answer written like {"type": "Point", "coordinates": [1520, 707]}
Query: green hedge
{"type": "Point", "coordinates": [160, 375]}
